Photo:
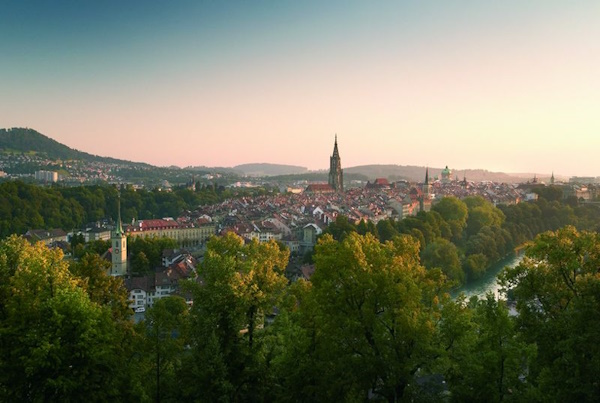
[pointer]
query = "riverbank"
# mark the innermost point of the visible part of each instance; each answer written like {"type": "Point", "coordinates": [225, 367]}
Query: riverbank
{"type": "Point", "coordinates": [488, 282]}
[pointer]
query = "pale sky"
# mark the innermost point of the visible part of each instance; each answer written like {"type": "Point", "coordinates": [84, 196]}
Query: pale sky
{"type": "Point", "coordinates": [509, 86]}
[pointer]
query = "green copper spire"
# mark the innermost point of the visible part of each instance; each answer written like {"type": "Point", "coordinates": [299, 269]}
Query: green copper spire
{"type": "Point", "coordinates": [119, 230]}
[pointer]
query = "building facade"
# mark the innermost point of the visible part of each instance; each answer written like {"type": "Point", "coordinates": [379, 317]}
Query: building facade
{"type": "Point", "coordinates": [186, 234]}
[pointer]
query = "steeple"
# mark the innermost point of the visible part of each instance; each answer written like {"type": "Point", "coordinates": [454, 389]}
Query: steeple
{"type": "Point", "coordinates": [119, 245]}
{"type": "Point", "coordinates": [425, 197]}
{"type": "Point", "coordinates": [552, 178]}
{"type": "Point", "coordinates": [336, 174]}
{"type": "Point", "coordinates": [119, 229]}
{"type": "Point", "coordinates": [336, 153]}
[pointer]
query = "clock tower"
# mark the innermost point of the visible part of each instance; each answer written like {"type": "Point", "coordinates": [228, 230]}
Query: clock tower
{"type": "Point", "coordinates": [118, 241]}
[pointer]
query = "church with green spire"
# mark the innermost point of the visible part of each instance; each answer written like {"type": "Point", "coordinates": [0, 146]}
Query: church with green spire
{"type": "Point", "coordinates": [118, 241]}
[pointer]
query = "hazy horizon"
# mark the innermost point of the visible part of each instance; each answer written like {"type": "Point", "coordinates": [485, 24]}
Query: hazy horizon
{"type": "Point", "coordinates": [508, 87]}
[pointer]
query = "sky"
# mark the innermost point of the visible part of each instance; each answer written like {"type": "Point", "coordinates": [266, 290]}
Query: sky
{"type": "Point", "coordinates": [511, 86]}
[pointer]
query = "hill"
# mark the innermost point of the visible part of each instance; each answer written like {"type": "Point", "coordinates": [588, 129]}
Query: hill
{"type": "Point", "coordinates": [266, 169]}
{"type": "Point", "coordinates": [417, 173]}
{"type": "Point", "coordinates": [26, 140]}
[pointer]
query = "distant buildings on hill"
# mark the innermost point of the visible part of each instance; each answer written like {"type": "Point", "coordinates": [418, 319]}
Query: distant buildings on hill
{"type": "Point", "coordinates": [46, 176]}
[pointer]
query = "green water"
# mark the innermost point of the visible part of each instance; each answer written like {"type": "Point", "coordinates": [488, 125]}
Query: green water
{"type": "Point", "coordinates": [488, 282]}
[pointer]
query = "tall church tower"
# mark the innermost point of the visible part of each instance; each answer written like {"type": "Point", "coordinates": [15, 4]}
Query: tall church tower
{"type": "Point", "coordinates": [426, 186]}
{"type": "Point", "coordinates": [118, 241]}
{"type": "Point", "coordinates": [336, 174]}
{"type": "Point", "coordinates": [425, 200]}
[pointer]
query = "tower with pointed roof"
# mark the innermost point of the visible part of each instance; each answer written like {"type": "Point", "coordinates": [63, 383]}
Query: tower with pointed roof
{"type": "Point", "coordinates": [336, 174]}
{"type": "Point", "coordinates": [552, 178]}
{"type": "Point", "coordinates": [425, 199]}
{"type": "Point", "coordinates": [426, 186]}
{"type": "Point", "coordinates": [118, 242]}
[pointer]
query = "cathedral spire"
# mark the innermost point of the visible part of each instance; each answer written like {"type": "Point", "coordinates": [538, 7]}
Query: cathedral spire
{"type": "Point", "coordinates": [336, 153]}
{"type": "Point", "coordinates": [336, 174]}
{"type": "Point", "coordinates": [427, 175]}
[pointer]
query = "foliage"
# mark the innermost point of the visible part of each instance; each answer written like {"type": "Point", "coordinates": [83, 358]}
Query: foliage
{"type": "Point", "coordinates": [557, 290]}
{"type": "Point", "coordinates": [165, 331]}
{"type": "Point", "coordinates": [442, 254]}
{"type": "Point", "coordinates": [372, 308]}
{"type": "Point", "coordinates": [27, 206]}
{"type": "Point", "coordinates": [489, 361]}
{"type": "Point", "coordinates": [146, 253]}
{"type": "Point", "coordinates": [58, 343]}
{"type": "Point", "coordinates": [241, 286]}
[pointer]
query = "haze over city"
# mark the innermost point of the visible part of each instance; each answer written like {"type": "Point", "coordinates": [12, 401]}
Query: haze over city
{"type": "Point", "coordinates": [507, 86]}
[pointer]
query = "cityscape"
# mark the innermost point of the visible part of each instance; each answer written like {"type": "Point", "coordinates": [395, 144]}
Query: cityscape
{"type": "Point", "coordinates": [299, 202]}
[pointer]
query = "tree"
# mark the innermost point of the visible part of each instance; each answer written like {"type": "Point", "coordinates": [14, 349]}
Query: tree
{"type": "Point", "coordinates": [241, 285]}
{"type": "Point", "coordinates": [482, 214]}
{"type": "Point", "coordinates": [57, 344]}
{"type": "Point", "coordinates": [340, 228]}
{"type": "Point", "coordinates": [373, 316]}
{"type": "Point", "coordinates": [140, 264]}
{"type": "Point", "coordinates": [557, 290]}
{"type": "Point", "coordinates": [165, 328]}
{"type": "Point", "coordinates": [103, 289]}
{"type": "Point", "coordinates": [386, 230]}
{"type": "Point", "coordinates": [443, 254]}
{"type": "Point", "coordinates": [489, 362]}
{"type": "Point", "coordinates": [475, 266]}
{"type": "Point", "coordinates": [455, 213]}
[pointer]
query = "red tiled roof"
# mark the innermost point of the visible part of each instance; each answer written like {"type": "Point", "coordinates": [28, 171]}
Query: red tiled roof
{"type": "Point", "coordinates": [156, 224]}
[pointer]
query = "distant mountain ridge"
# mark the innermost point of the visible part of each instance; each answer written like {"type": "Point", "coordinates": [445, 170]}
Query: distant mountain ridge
{"type": "Point", "coordinates": [417, 173]}
{"type": "Point", "coordinates": [266, 169]}
{"type": "Point", "coordinates": [27, 140]}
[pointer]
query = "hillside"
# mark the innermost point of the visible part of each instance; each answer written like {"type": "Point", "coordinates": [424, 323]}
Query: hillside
{"type": "Point", "coordinates": [265, 169]}
{"type": "Point", "coordinates": [417, 173]}
{"type": "Point", "coordinates": [28, 140]}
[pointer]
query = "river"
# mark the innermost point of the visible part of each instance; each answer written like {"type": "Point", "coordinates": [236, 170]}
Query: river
{"type": "Point", "coordinates": [488, 282]}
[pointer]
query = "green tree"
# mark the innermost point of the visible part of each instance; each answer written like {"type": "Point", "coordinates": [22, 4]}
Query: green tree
{"type": "Point", "coordinates": [475, 266]}
{"type": "Point", "coordinates": [482, 214]}
{"type": "Point", "coordinates": [241, 285]}
{"type": "Point", "coordinates": [340, 228]}
{"type": "Point", "coordinates": [57, 344]}
{"type": "Point", "coordinates": [103, 289]}
{"type": "Point", "coordinates": [165, 328]}
{"type": "Point", "coordinates": [489, 362]}
{"type": "Point", "coordinates": [455, 213]}
{"type": "Point", "coordinates": [140, 264]}
{"type": "Point", "coordinates": [556, 287]}
{"type": "Point", "coordinates": [443, 254]}
{"type": "Point", "coordinates": [372, 324]}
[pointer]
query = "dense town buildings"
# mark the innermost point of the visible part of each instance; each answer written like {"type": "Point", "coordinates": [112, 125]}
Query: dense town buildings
{"type": "Point", "coordinates": [293, 218]}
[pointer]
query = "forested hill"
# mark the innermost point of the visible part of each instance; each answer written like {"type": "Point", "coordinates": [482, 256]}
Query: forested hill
{"type": "Point", "coordinates": [28, 140]}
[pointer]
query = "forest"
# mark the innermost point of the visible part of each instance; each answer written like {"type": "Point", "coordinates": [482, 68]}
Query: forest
{"type": "Point", "coordinates": [465, 237]}
{"type": "Point", "coordinates": [25, 206]}
{"type": "Point", "coordinates": [373, 324]}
